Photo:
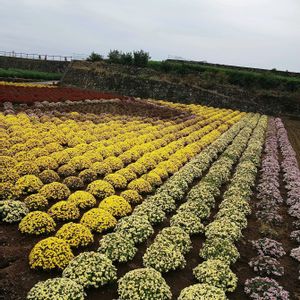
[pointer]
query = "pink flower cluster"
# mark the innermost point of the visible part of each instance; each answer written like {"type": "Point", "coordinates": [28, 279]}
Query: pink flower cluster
{"type": "Point", "coordinates": [291, 170]}
{"type": "Point", "coordinates": [268, 186]}
{"type": "Point", "coordinates": [266, 265]}
{"type": "Point", "coordinates": [265, 288]}
{"type": "Point", "coordinates": [270, 247]}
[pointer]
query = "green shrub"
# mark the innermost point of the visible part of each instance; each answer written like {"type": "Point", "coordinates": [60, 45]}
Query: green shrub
{"type": "Point", "coordinates": [114, 56]}
{"type": "Point", "coordinates": [141, 58]}
{"type": "Point", "coordinates": [95, 57]}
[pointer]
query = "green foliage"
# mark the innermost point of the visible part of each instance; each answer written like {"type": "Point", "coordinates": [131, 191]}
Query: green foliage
{"type": "Point", "coordinates": [137, 58]}
{"type": "Point", "coordinates": [240, 77]}
{"type": "Point", "coordinates": [141, 58]}
{"type": "Point", "coordinates": [114, 56]}
{"type": "Point", "coordinates": [95, 57]}
{"type": "Point", "coordinates": [28, 74]}
{"type": "Point", "coordinates": [126, 58]}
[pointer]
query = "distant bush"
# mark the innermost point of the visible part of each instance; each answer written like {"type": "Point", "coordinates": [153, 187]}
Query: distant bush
{"type": "Point", "coordinates": [126, 58]}
{"type": "Point", "coordinates": [114, 56]}
{"type": "Point", "coordinates": [137, 58]}
{"type": "Point", "coordinates": [223, 75]}
{"type": "Point", "coordinates": [141, 58]}
{"type": "Point", "coordinates": [95, 57]}
{"type": "Point", "coordinates": [28, 74]}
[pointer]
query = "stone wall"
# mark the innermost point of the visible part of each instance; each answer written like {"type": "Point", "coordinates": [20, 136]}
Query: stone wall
{"type": "Point", "coordinates": [33, 64]}
{"type": "Point", "coordinates": [147, 83]}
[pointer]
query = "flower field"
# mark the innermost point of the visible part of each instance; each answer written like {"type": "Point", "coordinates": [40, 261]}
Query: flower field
{"type": "Point", "coordinates": [144, 199]}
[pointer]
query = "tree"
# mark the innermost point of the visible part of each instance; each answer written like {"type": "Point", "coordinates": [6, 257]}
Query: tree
{"type": "Point", "coordinates": [114, 56]}
{"type": "Point", "coordinates": [95, 57]}
{"type": "Point", "coordinates": [140, 58]}
{"type": "Point", "coordinates": [126, 58]}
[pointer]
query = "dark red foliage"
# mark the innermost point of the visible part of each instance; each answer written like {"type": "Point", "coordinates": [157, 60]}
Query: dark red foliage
{"type": "Point", "coordinates": [19, 94]}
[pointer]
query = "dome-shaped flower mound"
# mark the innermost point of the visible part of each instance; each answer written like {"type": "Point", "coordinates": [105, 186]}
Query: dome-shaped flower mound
{"type": "Point", "coordinates": [163, 256]}
{"type": "Point", "coordinates": [138, 228]}
{"type": "Point", "coordinates": [116, 180]}
{"type": "Point", "coordinates": [73, 182]}
{"type": "Point", "coordinates": [12, 211]}
{"type": "Point", "coordinates": [137, 168]}
{"type": "Point", "coordinates": [88, 175]}
{"type": "Point", "coordinates": [143, 284]}
{"type": "Point", "coordinates": [64, 211]}
{"type": "Point", "coordinates": [46, 162]}
{"type": "Point", "coordinates": [66, 170]}
{"type": "Point", "coordinates": [27, 184]}
{"type": "Point", "coordinates": [50, 253]}
{"type": "Point", "coordinates": [153, 179]}
{"type": "Point", "coordinates": [219, 248]}
{"type": "Point", "coordinates": [176, 236]}
{"type": "Point", "coordinates": [127, 174]}
{"type": "Point", "coordinates": [101, 168]}
{"type": "Point", "coordinates": [82, 199]}
{"type": "Point", "coordinates": [265, 288]}
{"type": "Point", "coordinates": [163, 201]}
{"type": "Point", "coordinates": [188, 222]}
{"type": "Point", "coordinates": [36, 202]}
{"type": "Point", "coordinates": [56, 288]}
{"type": "Point", "coordinates": [76, 235]}
{"type": "Point", "coordinates": [153, 212]}
{"type": "Point", "coordinates": [55, 191]}
{"type": "Point", "coordinates": [114, 162]}
{"type": "Point", "coordinates": [26, 168]}
{"type": "Point", "coordinates": [116, 205]}
{"type": "Point", "coordinates": [217, 273]}
{"type": "Point", "coordinates": [101, 189]}
{"type": "Point", "coordinates": [98, 220]}
{"type": "Point", "coordinates": [91, 269]}
{"type": "Point", "coordinates": [117, 247]}
{"type": "Point", "coordinates": [37, 222]}
{"type": "Point", "coordinates": [6, 190]}
{"type": "Point", "coordinates": [140, 185]}
{"type": "Point", "coordinates": [223, 228]}
{"type": "Point", "coordinates": [48, 176]}
{"type": "Point", "coordinates": [202, 292]}
{"type": "Point", "coordinates": [131, 196]}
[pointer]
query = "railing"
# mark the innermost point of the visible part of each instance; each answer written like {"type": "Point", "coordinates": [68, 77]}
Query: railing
{"type": "Point", "coordinates": [41, 56]}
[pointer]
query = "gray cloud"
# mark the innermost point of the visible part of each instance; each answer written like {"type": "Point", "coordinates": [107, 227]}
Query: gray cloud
{"type": "Point", "coordinates": [260, 33]}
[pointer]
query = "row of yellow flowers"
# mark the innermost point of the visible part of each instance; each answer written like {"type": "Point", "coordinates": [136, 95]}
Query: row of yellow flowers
{"type": "Point", "coordinates": [22, 84]}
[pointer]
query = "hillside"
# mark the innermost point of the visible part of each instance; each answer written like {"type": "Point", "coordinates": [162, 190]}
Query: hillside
{"type": "Point", "coordinates": [216, 86]}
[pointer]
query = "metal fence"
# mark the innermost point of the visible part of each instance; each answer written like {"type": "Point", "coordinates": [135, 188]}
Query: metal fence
{"type": "Point", "coordinates": [41, 56]}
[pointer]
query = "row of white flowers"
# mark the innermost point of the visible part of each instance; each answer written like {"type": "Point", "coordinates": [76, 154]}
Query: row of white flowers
{"type": "Point", "coordinates": [219, 250]}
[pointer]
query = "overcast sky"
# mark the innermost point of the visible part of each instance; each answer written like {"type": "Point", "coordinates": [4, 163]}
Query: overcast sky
{"type": "Point", "coordinates": [259, 33]}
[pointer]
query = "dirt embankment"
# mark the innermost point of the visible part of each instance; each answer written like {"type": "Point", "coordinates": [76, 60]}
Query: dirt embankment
{"type": "Point", "coordinates": [187, 88]}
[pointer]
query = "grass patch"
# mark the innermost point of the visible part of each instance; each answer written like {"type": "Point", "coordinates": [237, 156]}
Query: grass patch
{"type": "Point", "coordinates": [248, 79]}
{"type": "Point", "coordinates": [28, 74]}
